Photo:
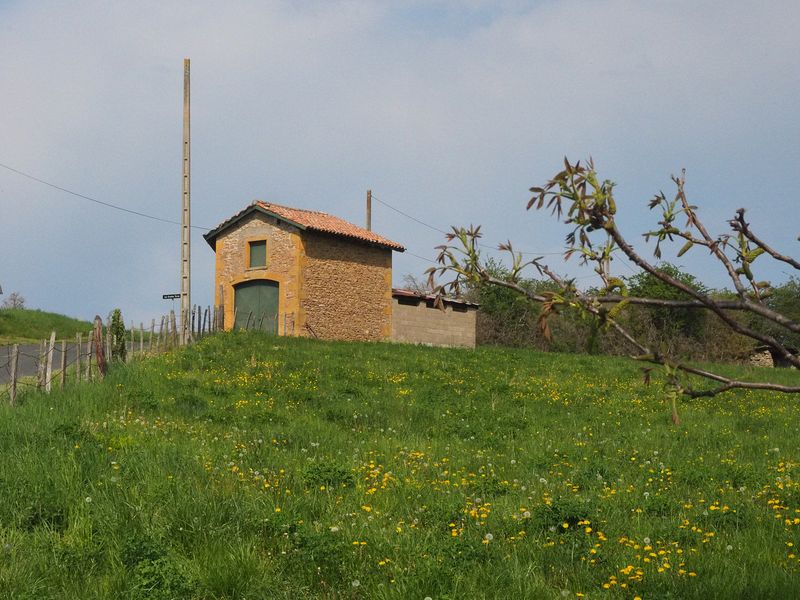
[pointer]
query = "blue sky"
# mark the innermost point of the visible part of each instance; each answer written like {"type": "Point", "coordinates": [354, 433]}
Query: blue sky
{"type": "Point", "coordinates": [447, 110]}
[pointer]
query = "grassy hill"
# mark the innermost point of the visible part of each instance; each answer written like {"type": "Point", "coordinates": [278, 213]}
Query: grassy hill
{"type": "Point", "coordinates": [20, 325]}
{"type": "Point", "coordinates": [250, 467]}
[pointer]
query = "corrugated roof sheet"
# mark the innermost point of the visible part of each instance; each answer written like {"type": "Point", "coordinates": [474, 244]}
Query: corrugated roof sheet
{"type": "Point", "coordinates": [404, 293]}
{"type": "Point", "coordinates": [308, 219]}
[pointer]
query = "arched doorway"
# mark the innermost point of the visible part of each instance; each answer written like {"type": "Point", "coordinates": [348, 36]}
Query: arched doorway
{"type": "Point", "coordinates": [256, 305]}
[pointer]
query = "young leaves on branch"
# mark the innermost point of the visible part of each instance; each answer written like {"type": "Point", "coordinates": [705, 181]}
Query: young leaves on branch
{"type": "Point", "coordinates": [587, 204]}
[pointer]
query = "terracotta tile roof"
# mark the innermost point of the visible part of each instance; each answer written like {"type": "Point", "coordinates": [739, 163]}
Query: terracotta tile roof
{"type": "Point", "coordinates": [307, 219]}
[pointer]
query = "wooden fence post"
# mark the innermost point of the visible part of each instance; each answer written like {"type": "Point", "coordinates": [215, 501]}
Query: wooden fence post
{"type": "Point", "coordinates": [141, 338]}
{"type": "Point", "coordinates": [160, 334]}
{"type": "Point", "coordinates": [41, 365]}
{"type": "Point", "coordinates": [129, 355]}
{"type": "Point", "coordinates": [49, 367]}
{"type": "Point", "coordinates": [98, 346]}
{"type": "Point", "coordinates": [78, 344]}
{"type": "Point", "coordinates": [89, 351]}
{"type": "Point", "coordinates": [49, 373]}
{"type": "Point", "coordinates": [108, 350]}
{"type": "Point", "coordinates": [14, 360]}
{"type": "Point", "coordinates": [63, 362]}
{"type": "Point", "coordinates": [152, 330]}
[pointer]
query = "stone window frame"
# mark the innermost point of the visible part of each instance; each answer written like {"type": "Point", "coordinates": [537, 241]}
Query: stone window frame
{"type": "Point", "coordinates": [247, 243]}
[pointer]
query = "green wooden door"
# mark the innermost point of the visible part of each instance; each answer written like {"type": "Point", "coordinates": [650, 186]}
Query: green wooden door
{"type": "Point", "coordinates": [256, 305]}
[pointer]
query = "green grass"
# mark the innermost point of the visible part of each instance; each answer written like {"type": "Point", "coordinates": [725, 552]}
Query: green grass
{"type": "Point", "coordinates": [23, 325]}
{"type": "Point", "coordinates": [256, 467]}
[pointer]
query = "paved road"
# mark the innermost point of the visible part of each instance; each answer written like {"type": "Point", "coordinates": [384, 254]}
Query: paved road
{"type": "Point", "coordinates": [28, 360]}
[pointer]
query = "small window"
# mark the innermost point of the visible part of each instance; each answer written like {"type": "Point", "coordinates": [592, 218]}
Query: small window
{"type": "Point", "coordinates": [408, 300]}
{"type": "Point", "coordinates": [258, 254]}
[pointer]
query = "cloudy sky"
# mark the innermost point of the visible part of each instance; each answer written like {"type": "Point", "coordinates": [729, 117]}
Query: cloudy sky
{"type": "Point", "coordinates": [447, 110]}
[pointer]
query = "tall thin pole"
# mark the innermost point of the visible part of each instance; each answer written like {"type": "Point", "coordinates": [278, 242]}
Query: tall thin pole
{"type": "Point", "coordinates": [369, 210]}
{"type": "Point", "coordinates": [185, 212]}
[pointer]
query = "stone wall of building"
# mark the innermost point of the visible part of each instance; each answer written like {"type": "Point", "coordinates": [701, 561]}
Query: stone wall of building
{"type": "Point", "coordinates": [762, 359]}
{"type": "Point", "coordinates": [346, 290]}
{"type": "Point", "coordinates": [424, 324]}
{"type": "Point", "coordinates": [284, 250]}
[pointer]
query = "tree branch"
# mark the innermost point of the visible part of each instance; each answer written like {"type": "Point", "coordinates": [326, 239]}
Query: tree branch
{"type": "Point", "coordinates": [590, 207]}
{"type": "Point", "coordinates": [739, 224]}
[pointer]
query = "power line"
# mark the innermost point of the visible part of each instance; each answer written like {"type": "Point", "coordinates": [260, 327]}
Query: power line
{"type": "Point", "coordinates": [95, 200]}
{"type": "Point", "coordinates": [430, 260]}
{"type": "Point", "coordinates": [429, 226]}
{"type": "Point", "coordinates": [528, 253]}
{"type": "Point", "coordinates": [397, 210]}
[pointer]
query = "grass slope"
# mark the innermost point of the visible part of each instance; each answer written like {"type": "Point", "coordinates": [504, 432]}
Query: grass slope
{"type": "Point", "coordinates": [253, 467]}
{"type": "Point", "coordinates": [19, 325]}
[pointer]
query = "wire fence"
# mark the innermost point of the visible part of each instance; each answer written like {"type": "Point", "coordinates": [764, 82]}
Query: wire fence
{"type": "Point", "coordinates": [85, 358]}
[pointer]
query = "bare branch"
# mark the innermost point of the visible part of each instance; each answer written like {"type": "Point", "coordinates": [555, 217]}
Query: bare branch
{"type": "Point", "coordinates": [710, 243]}
{"type": "Point", "coordinates": [739, 224]}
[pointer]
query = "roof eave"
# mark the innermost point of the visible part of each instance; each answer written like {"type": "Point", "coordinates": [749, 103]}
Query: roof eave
{"type": "Point", "coordinates": [211, 236]}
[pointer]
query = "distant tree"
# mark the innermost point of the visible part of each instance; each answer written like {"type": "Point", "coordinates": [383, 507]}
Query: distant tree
{"type": "Point", "coordinates": [14, 300]}
{"type": "Point", "coordinates": [669, 321]}
{"type": "Point", "coordinates": [415, 284]}
{"type": "Point", "coordinates": [784, 299]}
{"type": "Point", "coordinates": [509, 318]}
{"type": "Point", "coordinates": [590, 208]}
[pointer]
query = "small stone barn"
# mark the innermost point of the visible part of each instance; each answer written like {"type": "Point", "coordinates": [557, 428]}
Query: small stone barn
{"type": "Point", "coordinates": [302, 272]}
{"type": "Point", "coordinates": [306, 273]}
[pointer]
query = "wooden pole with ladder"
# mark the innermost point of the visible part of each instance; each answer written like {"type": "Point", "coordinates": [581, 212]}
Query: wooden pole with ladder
{"type": "Point", "coordinates": [186, 224]}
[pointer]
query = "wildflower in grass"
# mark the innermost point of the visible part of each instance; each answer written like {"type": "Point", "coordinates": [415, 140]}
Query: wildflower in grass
{"type": "Point", "coordinates": [355, 583]}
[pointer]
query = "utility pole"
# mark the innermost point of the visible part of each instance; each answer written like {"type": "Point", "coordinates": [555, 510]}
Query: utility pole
{"type": "Point", "coordinates": [186, 223]}
{"type": "Point", "coordinates": [369, 210]}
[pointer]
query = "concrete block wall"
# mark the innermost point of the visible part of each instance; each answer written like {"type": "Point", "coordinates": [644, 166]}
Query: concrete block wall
{"type": "Point", "coordinates": [424, 324]}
